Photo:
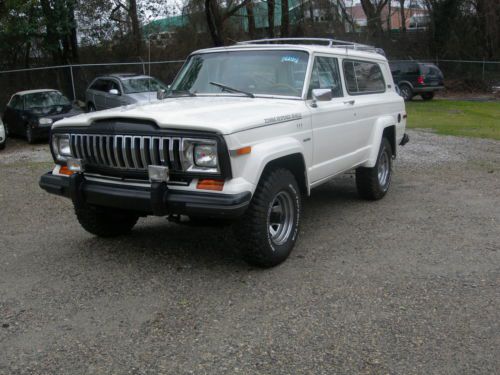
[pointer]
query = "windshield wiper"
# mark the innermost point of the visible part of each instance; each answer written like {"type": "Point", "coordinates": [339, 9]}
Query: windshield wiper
{"type": "Point", "coordinates": [231, 89]}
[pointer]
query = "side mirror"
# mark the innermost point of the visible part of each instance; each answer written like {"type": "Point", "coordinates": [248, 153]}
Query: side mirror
{"type": "Point", "coordinates": [322, 95]}
{"type": "Point", "coordinates": [114, 92]}
{"type": "Point", "coordinates": [160, 94]}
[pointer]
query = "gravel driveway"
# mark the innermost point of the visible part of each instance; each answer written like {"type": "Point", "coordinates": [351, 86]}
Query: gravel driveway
{"type": "Point", "coordinates": [406, 285]}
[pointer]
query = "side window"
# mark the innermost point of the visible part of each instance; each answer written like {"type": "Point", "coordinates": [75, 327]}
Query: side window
{"type": "Point", "coordinates": [325, 75]}
{"type": "Point", "coordinates": [16, 102]}
{"type": "Point", "coordinates": [99, 85]}
{"type": "Point", "coordinates": [363, 77]}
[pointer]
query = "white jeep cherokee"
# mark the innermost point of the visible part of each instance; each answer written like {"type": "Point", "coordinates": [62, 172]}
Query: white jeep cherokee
{"type": "Point", "coordinates": [243, 133]}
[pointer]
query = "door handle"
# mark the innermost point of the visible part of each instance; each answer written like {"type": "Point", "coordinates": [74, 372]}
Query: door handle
{"type": "Point", "coordinates": [351, 102]}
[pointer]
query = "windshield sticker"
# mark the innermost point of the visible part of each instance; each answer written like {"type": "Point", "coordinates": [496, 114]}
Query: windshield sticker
{"type": "Point", "coordinates": [293, 59]}
{"type": "Point", "coordinates": [274, 120]}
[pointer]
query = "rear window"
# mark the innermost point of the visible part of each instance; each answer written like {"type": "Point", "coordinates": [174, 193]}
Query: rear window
{"type": "Point", "coordinates": [363, 77]}
{"type": "Point", "coordinates": [430, 70]}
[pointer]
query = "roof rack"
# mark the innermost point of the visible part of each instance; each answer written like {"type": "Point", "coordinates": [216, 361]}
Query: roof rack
{"type": "Point", "coordinates": [332, 43]}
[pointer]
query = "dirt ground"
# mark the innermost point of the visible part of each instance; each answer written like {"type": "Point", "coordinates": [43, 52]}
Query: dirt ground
{"type": "Point", "coordinates": [406, 285]}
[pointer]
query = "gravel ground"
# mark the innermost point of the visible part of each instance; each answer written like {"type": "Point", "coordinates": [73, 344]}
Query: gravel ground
{"type": "Point", "coordinates": [406, 285]}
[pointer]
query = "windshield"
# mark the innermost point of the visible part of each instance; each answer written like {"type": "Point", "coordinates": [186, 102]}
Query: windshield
{"type": "Point", "coordinates": [136, 85]}
{"type": "Point", "coordinates": [45, 99]}
{"type": "Point", "coordinates": [276, 73]}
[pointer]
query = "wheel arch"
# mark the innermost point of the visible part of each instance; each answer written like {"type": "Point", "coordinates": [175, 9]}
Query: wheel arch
{"type": "Point", "coordinates": [384, 127]}
{"type": "Point", "coordinates": [296, 164]}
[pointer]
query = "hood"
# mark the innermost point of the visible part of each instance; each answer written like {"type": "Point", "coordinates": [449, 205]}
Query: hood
{"type": "Point", "coordinates": [57, 113]}
{"type": "Point", "coordinates": [222, 114]}
{"type": "Point", "coordinates": [143, 97]}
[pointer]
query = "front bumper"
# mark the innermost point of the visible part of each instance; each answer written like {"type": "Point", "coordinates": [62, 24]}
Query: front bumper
{"type": "Point", "coordinates": [155, 200]}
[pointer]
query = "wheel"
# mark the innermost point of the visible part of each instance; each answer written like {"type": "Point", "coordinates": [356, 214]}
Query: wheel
{"type": "Point", "coordinates": [2, 145]}
{"type": "Point", "coordinates": [105, 222]}
{"type": "Point", "coordinates": [373, 183]}
{"type": "Point", "coordinates": [406, 91]}
{"type": "Point", "coordinates": [91, 107]}
{"type": "Point", "coordinates": [30, 137]}
{"type": "Point", "coordinates": [269, 229]}
{"type": "Point", "coordinates": [427, 95]}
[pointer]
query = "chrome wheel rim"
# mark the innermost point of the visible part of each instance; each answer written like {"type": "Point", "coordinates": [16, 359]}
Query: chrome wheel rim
{"type": "Point", "coordinates": [280, 218]}
{"type": "Point", "coordinates": [405, 92]}
{"type": "Point", "coordinates": [383, 169]}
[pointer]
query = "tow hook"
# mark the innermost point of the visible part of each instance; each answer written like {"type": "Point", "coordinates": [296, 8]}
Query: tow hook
{"type": "Point", "coordinates": [405, 140]}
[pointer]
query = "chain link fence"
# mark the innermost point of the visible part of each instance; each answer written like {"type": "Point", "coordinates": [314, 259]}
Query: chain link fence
{"type": "Point", "coordinates": [73, 80]}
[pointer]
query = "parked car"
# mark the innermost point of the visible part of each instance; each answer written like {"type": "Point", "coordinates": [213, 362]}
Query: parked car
{"type": "Point", "coordinates": [31, 113]}
{"type": "Point", "coordinates": [246, 132]}
{"type": "Point", "coordinates": [117, 90]}
{"type": "Point", "coordinates": [416, 78]}
{"type": "Point", "coordinates": [3, 135]}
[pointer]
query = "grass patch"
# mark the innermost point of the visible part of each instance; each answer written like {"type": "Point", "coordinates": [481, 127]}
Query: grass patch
{"type": "Point", "coordinates": [460, 118]}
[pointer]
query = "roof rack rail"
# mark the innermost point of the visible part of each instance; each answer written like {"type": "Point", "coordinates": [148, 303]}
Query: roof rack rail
{"type": "Point", "coordinates": [332, 43]}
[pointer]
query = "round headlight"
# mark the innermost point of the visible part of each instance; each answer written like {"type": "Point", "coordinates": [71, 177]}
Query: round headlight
{"type": "Point", "coordinates": [205, 156]}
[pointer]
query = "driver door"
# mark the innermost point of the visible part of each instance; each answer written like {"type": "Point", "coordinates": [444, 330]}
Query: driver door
{"type": "Point", "coordinates": [331, 119]}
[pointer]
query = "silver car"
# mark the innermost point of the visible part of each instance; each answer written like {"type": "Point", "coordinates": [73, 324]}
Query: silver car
{"type": "Point", "coordinates": [3, 135]}
{"type": "Point", "coordinates": [117, 90]}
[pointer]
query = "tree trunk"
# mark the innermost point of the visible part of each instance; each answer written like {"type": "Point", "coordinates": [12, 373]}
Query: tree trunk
{"type": "Point", "coordinates": [403, 15]}
{"type": "Point", "coordinates": [373, 12]}
{"type": "Point", "coordinates": [251, 20]}
{"type": "Point", "coordinates": [270, 18]}
{"type": "Point", "coordinates": [285, 19]}
{"type": "Point", "coordinates": [136, 28]}
{"type": "Point", "coordinates": [214, 25]}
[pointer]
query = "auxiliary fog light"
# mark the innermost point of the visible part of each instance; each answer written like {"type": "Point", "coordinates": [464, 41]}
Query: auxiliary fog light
{"type": "Point", "coordinates": [75, 165]}
{"type": "Point", "coordinates": [158, 173]}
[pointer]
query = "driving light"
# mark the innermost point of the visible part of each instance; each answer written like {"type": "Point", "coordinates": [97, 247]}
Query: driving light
{"type": "Point", "coordinates": [75, 165]}
{"type": "Point", "coordinates": [158, 173]}
{"type": "Point", "coordinates": [45, 121]}
{"type": "Point", "coordinates": [205, 155]}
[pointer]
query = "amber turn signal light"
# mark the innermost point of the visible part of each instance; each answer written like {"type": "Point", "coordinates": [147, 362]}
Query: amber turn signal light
{"type": "Point", "coordinates": [65, 171]}
{"type": "Point", "coordinates": [216, 185]}
{"type": "Point", "coordinates": [244, 150]}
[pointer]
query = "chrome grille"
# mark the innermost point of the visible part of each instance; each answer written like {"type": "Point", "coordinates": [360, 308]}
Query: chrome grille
{"type": "Point", "coordinates": [126, 151]}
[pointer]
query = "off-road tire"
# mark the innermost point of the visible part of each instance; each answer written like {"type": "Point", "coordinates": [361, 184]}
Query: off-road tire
{"type": "Point", "coordinates": [257, 246]}
{"type": "Point", "coordinates": [30, 137]}
{"type": "Point", "coordinates": [406, 92]}
{"type": "Point", "coordinates": [427, 95]}
{"type": "Point", "coordinates": [368, 180]}
{"type": "Point", "coordinates": [105, 222]}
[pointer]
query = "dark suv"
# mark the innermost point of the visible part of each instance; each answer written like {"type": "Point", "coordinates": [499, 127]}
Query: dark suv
{"type": "Point", "coordinates": [416, 78]}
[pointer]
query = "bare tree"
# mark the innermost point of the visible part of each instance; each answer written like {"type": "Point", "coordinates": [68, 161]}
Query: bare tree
{"type": "Point", "coordinates": [373, 10]}
{"type": "Point", "coordinates": [132, 20]}
{"type": "Point", "coordinates": [216, 15]}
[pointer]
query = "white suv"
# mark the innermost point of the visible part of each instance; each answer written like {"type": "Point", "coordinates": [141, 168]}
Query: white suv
{"type": "Point", "coordinates": [243, 133]}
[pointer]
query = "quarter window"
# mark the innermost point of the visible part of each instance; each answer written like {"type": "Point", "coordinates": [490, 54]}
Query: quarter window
{"type": "Point", "coordinates": [325, 75]}
{"type": "Point", "coordinates": [363, 77]}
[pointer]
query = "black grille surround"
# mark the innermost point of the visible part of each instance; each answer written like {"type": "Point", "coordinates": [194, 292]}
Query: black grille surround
{"type": "Point", "coordinates": [125, 147]}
